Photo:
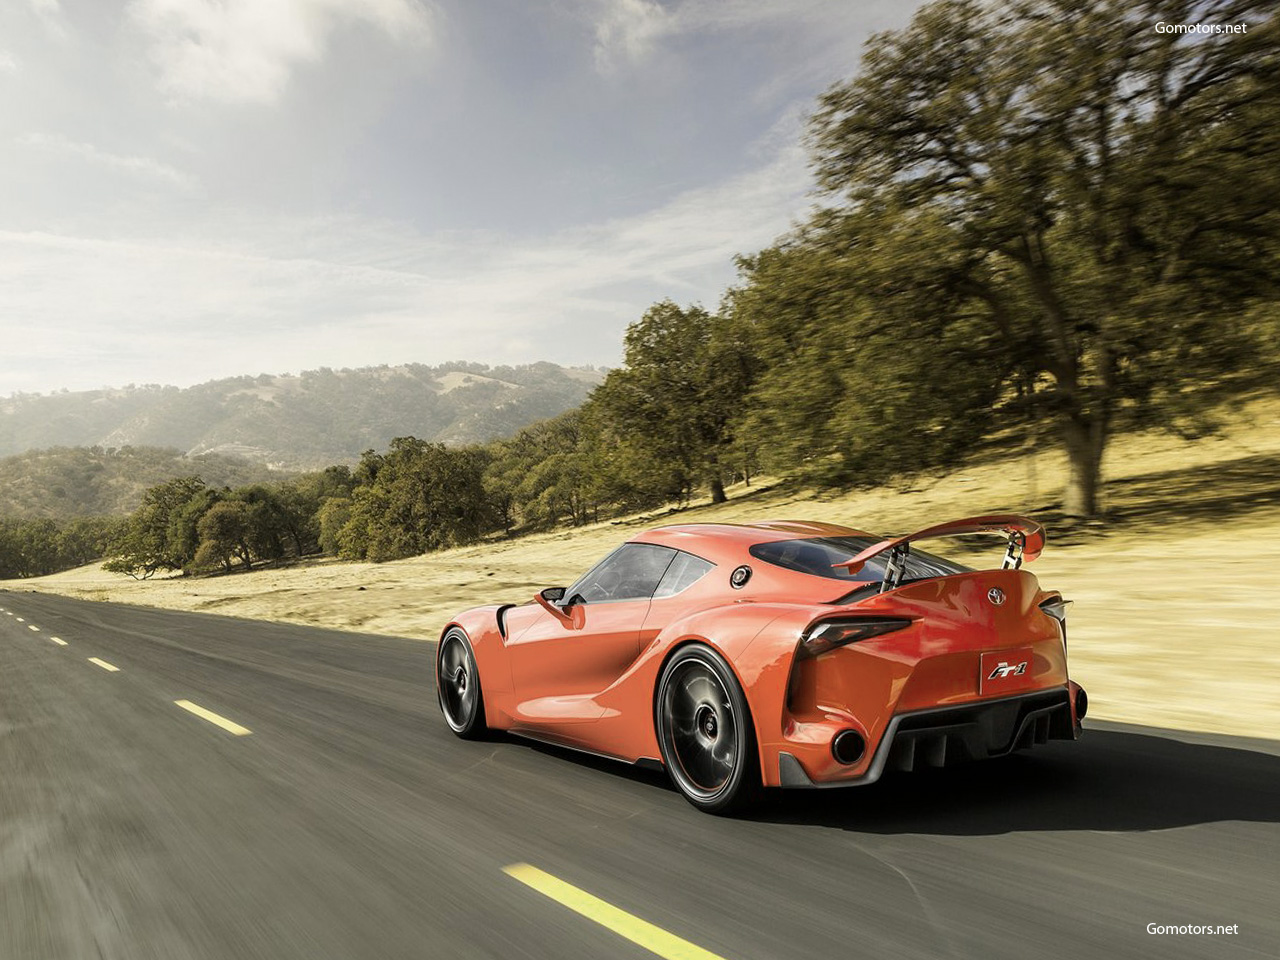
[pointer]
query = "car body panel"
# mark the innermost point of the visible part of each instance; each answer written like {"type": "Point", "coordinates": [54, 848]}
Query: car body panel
{"type": "Point", "coordinates": [587, 677]}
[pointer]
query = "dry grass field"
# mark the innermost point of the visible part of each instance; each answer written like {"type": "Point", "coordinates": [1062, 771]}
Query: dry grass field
{"type": "Point", "coordinates": [1175, 620]}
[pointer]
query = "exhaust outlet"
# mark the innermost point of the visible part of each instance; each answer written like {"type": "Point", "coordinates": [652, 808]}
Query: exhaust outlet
{"type": "Point", "coordinates": [848, 746]}
{"type": "Point", "coordinates": [1082, 704]}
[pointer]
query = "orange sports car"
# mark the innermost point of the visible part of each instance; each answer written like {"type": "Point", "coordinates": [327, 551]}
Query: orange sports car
{"type": "Point", "coordinates": [780, 654]}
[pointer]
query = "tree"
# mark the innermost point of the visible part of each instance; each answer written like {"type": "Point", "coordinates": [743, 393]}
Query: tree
{"type": "Point", "coordinates": [37, 547]}
{"type": "Point", "coordinates": [182, 533]}
{"type": "Point", "coordinates": [85, 539]}
{"type": "Point", "coordinates": [29, 548]}
{"type": "Point", "coordinates": [541, 471]}
{"type": "Point", "coordinates": [333, 516]}
{"type": "Point", "coordinates": [156, 537]}
{"type": "Point", "coordinates": [225, 530]}
{"type": "Point", "coordinates": [416, 497]}
{"type": "Point", "coordinates": [1093, 202]}
{"type": "Point", "coordinates": [269, 520]}
{"type": "Point", "coordinates": [302, 504]}
{"type": "Point", "coordinates": [11, 564]}
{"type": "Point", "coordinates": [680, 391]}
{"type": "Point", "coordinates": [852, 347]}
{"type": "Point", "coordinates": [501, 478]}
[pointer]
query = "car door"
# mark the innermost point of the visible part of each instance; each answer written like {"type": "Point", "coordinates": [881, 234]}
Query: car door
{"type": "Point", "coordinates": [555, 665]}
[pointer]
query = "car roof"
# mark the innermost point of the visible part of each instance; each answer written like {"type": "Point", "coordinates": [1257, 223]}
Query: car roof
{"type": "Point", "coordinates": [728, 545]}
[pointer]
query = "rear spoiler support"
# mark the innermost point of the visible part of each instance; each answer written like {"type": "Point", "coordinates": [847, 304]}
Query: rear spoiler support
{"type": "Point", "coordinates": [1013, 553]}
{"type": "Point", "coordinates": [896, 567]}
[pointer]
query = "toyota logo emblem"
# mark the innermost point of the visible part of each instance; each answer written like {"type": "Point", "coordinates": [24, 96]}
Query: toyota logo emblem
{"type": "Point", "coordinates": [996, 596]}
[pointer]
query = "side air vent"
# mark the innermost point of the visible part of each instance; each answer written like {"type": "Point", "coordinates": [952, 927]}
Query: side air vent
{"type": "Point", "coordinates": [502, 619]}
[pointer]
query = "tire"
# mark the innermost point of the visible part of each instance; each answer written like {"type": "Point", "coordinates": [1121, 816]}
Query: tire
{"type": "Point", "coordinates": [458, 686]}
{"type": "Point", "coordinates": [705, 732]}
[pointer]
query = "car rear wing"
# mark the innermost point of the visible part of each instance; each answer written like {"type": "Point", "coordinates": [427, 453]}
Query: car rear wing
{"type": "Point", "coordinates": [1025, 543]}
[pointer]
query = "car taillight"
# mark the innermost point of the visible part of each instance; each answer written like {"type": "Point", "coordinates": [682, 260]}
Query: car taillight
{"type": "Point", "coordinates": [828, 634]}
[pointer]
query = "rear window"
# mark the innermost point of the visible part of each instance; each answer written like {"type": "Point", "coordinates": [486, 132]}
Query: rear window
{"type": "Point", "coordinates": [816, 555]}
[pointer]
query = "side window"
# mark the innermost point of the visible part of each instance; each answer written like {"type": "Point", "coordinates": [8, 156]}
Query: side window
{"type": "Point", "coordinates": [685, 571]}
{"type": "Point", "coordinates": [631, 572]}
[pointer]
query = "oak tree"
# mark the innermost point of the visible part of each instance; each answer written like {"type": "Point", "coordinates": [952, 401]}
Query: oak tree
{"type": "Point", "coordinates": [1093, 200]}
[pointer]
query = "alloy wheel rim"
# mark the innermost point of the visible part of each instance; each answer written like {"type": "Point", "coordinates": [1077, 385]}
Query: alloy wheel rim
{"type": "Point", "coordinates": [457, 692]}
{"type": "Point", "coordinates": [700, 728]}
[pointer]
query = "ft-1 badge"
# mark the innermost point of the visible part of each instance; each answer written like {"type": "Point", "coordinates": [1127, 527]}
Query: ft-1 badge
{"type": "Point", "coordinates": [1006, 671]}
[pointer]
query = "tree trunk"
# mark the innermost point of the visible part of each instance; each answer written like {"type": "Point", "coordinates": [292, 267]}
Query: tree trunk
{"type": "Point", "coordinates": [1085, 440]}
{"type": "Point", "coordinates": [717, 490]}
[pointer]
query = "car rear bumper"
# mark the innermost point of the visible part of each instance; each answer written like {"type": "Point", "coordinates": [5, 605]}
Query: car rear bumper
{"type": "Point", "coordinates": [943, 736]}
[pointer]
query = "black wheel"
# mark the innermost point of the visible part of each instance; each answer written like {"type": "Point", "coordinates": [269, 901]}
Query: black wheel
{"type": "Point", "coordinates": [705, 732]}
{"type": "Point", "coordinates": [458, 686]}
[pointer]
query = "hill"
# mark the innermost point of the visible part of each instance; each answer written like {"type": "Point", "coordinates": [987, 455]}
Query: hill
{"type": "Point", "coordinates": [304, 421]}
{"type": "Point", "coordinates": [66, 482]}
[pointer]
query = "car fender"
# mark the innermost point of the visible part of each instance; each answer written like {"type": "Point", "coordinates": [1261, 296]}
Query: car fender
{"type": "Point", "coordinates": [480, 624]}
{"type": "Point", "coordinates": [758, 640]}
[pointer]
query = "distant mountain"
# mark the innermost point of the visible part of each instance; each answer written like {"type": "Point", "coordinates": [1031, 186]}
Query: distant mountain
{"type": "Point", "coordinates": [308, 421]}
{"type": "Point", "coordinates": [62, 483]}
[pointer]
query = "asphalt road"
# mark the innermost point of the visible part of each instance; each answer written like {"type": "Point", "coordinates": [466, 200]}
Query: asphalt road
{"type": "Point", "coordinates": [349, 823]}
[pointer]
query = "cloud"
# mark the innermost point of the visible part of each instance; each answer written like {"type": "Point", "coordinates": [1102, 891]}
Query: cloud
{"type": "Point", "coordinates": [630, 32]}
{"type": "Point", "coordinates": [7, 63]}
{"type": "Point", "coordinates": [245, 51]}
{"type": "Point", "coordinates": [144, 167]}
{"type": "Point", "coordinates": [254, 293]}
{"type": "Point", "coordinates": [686, 246]}
{"type": "Point", "coordinates": [626, 31]}
{"type": "Point", "coordinates": [49, 13]}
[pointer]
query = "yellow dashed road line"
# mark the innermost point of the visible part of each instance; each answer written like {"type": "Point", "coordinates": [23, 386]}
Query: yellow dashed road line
{"type": "Point", "coordinates": [220, 721]}
{"type": "Point", "coordinates": [640, 932]}
{"type": "Point", "coordinates": [213, 718]}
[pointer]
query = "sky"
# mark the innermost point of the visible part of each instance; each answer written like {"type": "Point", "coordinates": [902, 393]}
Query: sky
{"type": "Point", "coordinates": [194, 189]}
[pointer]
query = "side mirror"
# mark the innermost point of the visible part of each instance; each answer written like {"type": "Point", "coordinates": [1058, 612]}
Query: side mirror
{"type": "Point", "coordinates": [570, 615]}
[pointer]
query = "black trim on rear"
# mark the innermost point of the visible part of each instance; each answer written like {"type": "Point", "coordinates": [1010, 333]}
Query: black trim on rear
{"type": "Point", "coordinates": [942, 736]}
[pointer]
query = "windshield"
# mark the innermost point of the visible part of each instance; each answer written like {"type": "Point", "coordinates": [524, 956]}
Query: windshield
{"type": "Point", "coordinates": [815, 556]}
